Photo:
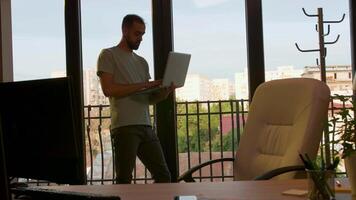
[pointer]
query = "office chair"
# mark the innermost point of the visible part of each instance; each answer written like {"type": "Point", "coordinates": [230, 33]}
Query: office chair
{"type": "Point", "coordinates": [286, 118]}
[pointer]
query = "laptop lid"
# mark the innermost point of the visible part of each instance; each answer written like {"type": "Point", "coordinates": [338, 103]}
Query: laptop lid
{"type": "Point", "coordinates": [176, 69]}
{"type": "Point", "coordinates": [176, 72]}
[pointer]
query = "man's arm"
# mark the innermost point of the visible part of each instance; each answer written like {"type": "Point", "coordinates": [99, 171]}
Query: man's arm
{"type": "Point", "coordinates": [112, 89]}
{"type": "Point", "coordinates": [161, 95]}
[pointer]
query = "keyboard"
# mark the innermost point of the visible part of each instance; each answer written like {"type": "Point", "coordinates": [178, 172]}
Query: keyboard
{"type": "Point", "coordinates": [33, 193]}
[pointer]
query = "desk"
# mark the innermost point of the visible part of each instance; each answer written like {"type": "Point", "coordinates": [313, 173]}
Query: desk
{"type": "Point", "coordinates": [210, 190]}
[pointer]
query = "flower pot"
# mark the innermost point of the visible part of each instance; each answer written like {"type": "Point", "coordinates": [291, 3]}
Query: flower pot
{"type": "Point", "coordinates": [321, 184]}
{"type": "Point", "coordinates": [350, 164]}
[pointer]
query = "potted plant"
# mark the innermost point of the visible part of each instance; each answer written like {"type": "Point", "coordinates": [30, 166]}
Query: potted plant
{"type": "Point", "coordinates": [320, 178]}
{"type": "Point", "coordinates": [344, 127]}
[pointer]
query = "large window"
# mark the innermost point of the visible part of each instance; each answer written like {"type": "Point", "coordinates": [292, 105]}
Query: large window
{"type": "Point", "coordinates": [214, 33]}
{"type": "Point", "coordinates": [101, 28]}
{"type": "Point", "coordinates": [286, 24]}
{"type": "Point", "coordinates": [38, 39]}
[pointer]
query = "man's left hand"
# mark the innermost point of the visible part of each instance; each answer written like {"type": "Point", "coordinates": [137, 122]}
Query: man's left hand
{"type": "Point", "coordinates": [167, 90]}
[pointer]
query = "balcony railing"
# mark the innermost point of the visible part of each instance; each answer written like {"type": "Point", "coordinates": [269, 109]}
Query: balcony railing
{"type": "Point", "coordinates": [206, 130]}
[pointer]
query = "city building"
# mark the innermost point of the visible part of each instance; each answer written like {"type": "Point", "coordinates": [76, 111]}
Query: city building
{"type": "Point", "coordinates": [241, 85]}
{"type": "Point", "coordinates": [282, 72]}
{"type": "Point", "coordinates": [200, 88]}
{"type": "Point", "coordinates": [92, 92]}
{"type": "Point", "coordinates": [222, 89]}
{"type": "Point", "coordinates": [196, 88]}
{"type": "Point", "coordinates": [338, 77]}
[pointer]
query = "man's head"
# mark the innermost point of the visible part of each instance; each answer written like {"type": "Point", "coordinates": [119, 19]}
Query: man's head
{"type": "Point", "coordinates": [133, 28]}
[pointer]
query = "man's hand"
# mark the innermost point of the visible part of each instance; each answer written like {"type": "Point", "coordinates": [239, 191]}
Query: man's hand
{"type": "Point", "coordinates": [151, 84]}
{"type": "Point", "coordinates": [162, 94]}
{"type": "Point", "coordinates": [167, 90]}
{"type": "Point", "coordinates": [112, 89]}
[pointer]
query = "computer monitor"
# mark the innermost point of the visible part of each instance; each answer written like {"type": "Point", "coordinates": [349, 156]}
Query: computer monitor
{"type": "Point", "coordinates": [4, 188]}
{"type": "Point", "coordinates": [39, 131]}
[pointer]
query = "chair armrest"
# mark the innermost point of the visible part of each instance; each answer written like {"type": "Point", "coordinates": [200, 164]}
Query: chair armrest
{"type": "Point", "coordinates": [280, 171]}
{"type": "Point", "coordinates": [187, 176]}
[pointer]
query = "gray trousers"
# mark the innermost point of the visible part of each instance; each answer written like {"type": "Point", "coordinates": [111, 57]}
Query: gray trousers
{"type": "Point", "coordinates": [141, 141]}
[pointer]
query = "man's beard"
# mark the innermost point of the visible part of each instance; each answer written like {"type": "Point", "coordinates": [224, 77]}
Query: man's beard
{"type": "Point", "coordinates": [132, 45]}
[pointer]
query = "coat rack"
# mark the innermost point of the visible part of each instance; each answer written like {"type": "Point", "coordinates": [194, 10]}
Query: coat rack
{"type": "Point", "coordinates": [319, 27]}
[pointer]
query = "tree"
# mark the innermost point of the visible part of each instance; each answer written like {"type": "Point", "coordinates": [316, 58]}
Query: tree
{"type": "Point", "coordinates": [199, 125]}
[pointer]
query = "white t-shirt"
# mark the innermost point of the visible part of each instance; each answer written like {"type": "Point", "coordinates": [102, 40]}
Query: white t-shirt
{"type": "Point", "coordinates": [126, 68]}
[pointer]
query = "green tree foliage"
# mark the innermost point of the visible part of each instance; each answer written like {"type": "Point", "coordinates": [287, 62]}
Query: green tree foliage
{"type": "Point", "coordinates": [226, 141]}
{"type": "Point", "coordinates": [199, 126]}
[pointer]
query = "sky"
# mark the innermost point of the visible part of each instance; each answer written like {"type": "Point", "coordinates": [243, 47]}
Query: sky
{"type": "Point", "coordinates": [213, 31]}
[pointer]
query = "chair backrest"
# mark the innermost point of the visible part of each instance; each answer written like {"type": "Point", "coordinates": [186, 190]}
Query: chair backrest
{"type": "Point", "coordinates": [286, 117]}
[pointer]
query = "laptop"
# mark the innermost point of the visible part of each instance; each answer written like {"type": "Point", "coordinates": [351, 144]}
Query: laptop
{"type": "Point", "coordinates": [175, 72]}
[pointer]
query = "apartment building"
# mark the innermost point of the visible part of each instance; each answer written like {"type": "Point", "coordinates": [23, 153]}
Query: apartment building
{"type": "Point", "coordinates": [92, 92]}
{"type": "Point", "coordinates": [338, 77]}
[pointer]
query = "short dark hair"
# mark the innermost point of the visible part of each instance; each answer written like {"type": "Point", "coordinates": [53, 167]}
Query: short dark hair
{"type": "Point", "coordinates": [130, 19]}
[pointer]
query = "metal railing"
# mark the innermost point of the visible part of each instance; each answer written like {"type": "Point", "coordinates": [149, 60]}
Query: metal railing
{"type": "Point", "coordinates": [201, 127]}
{"type": "Point", "coordinates": [209, 130]}
{"type": "Point", "coordinates": [206, 130]}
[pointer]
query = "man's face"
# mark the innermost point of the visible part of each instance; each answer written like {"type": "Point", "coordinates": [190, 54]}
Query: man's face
{"type": "Point", "coordinates": [133, 35]}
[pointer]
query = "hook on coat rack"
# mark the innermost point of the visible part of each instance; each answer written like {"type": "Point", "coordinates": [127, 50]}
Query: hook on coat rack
{"type": "Point", "coordinates": [328, 32]}
{"type": "Point", "coordinates": [337, 21]}
{"type": "Point", "coordinates": [333, 42]}
{"type": "Point", "coordinates": [305, 50]}
{"type": "Point", "coordinates": [309, 15]}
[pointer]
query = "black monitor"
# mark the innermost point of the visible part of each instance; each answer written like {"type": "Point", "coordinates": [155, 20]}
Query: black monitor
{"type": "Point", "coordinates": [39, 131]}
{"type": "Point", "coordinates": [4, 188]}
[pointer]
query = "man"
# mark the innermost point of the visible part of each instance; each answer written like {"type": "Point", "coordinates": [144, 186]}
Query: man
{"type": "Point", "coordinates": [123, 73]}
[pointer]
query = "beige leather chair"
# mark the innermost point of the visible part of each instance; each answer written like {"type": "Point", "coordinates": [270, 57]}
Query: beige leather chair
{"type": "Point", "coordinates": [286, 117]}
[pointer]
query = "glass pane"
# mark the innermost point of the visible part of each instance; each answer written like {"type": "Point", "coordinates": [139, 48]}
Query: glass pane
{"type": "Point", "coordinates": [286, 24]}
{"type": "Point", "coordinates": [38, 39]}
{"type": "Point", "coordinates": [101, 26]}
{"type": "Point", "coordinates": [214, 33]}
